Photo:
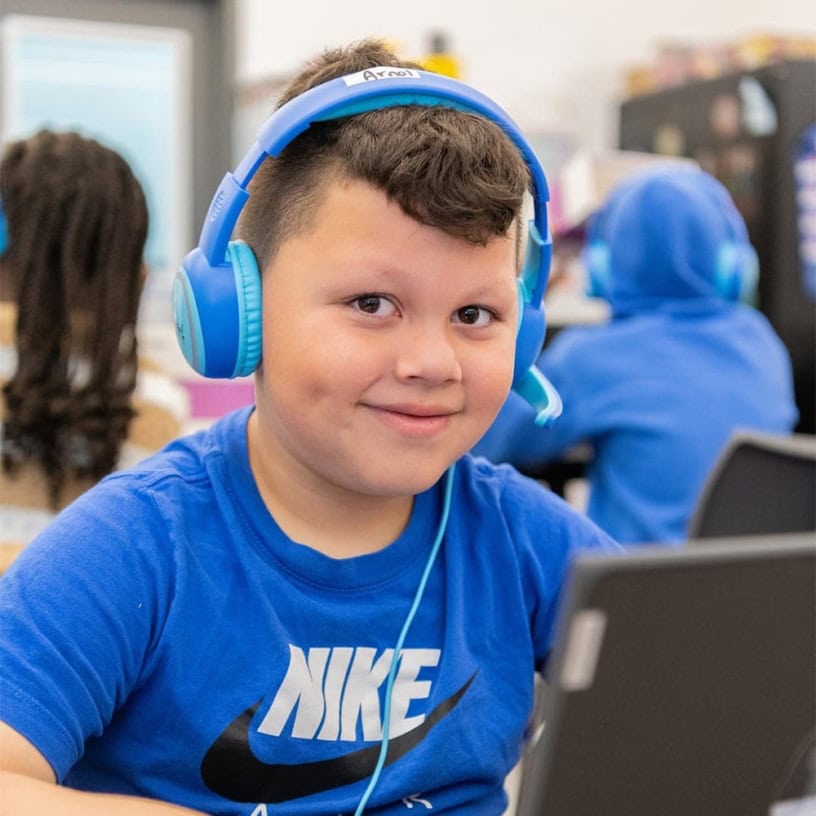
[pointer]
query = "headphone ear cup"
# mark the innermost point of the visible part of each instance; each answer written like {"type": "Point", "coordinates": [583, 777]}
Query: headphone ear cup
{"type": "Point", "coordinates": [217, 312]}
{"type": "Point", "coordinates": [737, 273]}
{"type": "Point", "coordinates": [595, 258]}
{"type": "Point", "coordinates": [529, 334]}
{"type": "Point", "coordinates": [749, 279]}
{"type": "Point", "coordinates": [528, 381]}
{"type": "Point", "coordinates": [248, 283]}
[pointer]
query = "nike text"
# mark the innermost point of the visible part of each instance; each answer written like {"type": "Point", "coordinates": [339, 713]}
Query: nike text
{"type": "Point", "coordinates": [331, 690]}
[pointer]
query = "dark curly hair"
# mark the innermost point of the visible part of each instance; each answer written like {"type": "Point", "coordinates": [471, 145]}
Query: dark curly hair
{"type": "Point", "coordinates": [77, 225]}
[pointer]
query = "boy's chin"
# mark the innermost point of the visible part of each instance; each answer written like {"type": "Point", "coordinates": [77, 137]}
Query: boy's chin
{"type": "Point", "coordinates": [414, 483]}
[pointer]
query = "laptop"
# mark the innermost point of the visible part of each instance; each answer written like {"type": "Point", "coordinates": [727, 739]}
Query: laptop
{"type": "Point", "coordinates": [682, 683]}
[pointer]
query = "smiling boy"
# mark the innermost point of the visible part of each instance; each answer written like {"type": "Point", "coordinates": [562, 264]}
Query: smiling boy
{"type": "Point", "coordinates": [322, 603]}
{"type": "Point", "coordinates": [401, 359]}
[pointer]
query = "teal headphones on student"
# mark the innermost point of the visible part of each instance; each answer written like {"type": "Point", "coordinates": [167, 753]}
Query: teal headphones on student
{"type": "Point", "coordinates": [217, 290]}
{"type": "Point", "coordinates": [736, 274]}
{"type": "Point", "coordinates": [736, 270]}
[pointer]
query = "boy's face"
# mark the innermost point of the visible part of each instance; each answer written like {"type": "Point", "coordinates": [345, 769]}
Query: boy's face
{"type": "Point", "coordinates": [387, 346]}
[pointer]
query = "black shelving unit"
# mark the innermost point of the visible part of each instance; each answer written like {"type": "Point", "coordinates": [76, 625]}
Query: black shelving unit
{"type": "Point", "coordinates": [744, 128]}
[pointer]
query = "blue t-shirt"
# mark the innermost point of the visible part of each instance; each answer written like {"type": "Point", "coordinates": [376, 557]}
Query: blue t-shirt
{"type": "Point", "coordinates": [164, 638]}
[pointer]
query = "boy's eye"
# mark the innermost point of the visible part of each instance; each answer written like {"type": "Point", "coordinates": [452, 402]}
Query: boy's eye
{"type": "Point", "coordinates": [374, 304]}
{"type": "Point", "coordinates": [474, 316]}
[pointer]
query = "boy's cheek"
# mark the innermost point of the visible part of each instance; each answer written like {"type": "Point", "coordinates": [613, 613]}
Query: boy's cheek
{"type": "Point", "coordinates": [492, 385]}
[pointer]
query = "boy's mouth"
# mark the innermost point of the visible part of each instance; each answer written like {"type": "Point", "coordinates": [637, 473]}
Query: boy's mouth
{"type": "Point", "coordinates": [414, 419]}
{"type": "Point", "coordinates": [417, 410]}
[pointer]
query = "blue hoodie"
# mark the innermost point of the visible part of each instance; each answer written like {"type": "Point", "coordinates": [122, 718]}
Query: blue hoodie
{"type": "Point", "coordinates": [657, 391]}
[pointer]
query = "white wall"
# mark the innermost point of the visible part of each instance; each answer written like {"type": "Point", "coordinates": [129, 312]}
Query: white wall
{"type": "Point", "coordinates": [552, 67]}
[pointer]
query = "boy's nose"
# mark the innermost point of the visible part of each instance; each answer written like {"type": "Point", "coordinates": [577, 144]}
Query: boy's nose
{"type": "Point", "coordinates": [427, 354]}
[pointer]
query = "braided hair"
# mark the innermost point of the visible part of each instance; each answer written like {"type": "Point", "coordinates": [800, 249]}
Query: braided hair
{"type": "Point", "coordinates": [77, 225]}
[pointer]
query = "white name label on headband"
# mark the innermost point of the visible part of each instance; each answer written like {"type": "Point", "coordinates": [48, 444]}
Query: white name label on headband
{"type": "Point", "coordinates": [384, 72]}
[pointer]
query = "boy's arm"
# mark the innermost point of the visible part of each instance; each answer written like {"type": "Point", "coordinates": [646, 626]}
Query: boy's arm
{"type": "Point", "coordinates": [28, 788]}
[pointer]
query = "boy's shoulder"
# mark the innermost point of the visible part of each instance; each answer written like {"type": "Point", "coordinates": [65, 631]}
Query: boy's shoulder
{"type": "Point", "coordinates": [502, 484]}
{"type": "Point", "coordinates": [511, 524]}
{"type": "Point", "coordinates": [185, 472]}
{"type": "Point", "coordinates": [186, 455]}
{"type": "Point", "coordinates": [527, 507]}
{"type": "Point", "coordinates": [147, 512]}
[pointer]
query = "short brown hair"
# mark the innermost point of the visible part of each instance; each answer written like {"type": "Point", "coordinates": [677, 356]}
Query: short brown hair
{"type": "Point", "coordinates": [445, 168]}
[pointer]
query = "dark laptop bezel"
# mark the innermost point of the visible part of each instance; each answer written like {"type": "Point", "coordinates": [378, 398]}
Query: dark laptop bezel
{"type": "Point", "coordinates": [544, 793]}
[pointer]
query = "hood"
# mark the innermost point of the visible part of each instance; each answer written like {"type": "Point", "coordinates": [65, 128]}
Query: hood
{"type": "Point", "coordinates": [669, 237]}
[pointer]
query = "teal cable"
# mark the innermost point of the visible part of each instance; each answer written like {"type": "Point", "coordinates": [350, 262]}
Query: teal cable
{"type": "Point", "coordinates": [443, 523]}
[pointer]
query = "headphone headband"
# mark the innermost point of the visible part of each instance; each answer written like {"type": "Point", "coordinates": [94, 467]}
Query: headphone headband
{"type": "Point", "coordinates": [373, 89]}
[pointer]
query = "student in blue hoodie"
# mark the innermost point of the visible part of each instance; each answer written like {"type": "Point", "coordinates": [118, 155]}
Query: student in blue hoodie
{"type": "Point", "coordinates": [682, 363]}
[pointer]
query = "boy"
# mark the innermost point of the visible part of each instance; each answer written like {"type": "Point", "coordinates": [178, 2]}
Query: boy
{"type": "Point", "coordinates": [258, 578]}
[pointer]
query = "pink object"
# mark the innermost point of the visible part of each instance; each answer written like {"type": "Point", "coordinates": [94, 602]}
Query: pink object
{"type": "Point", "coordinates": [217, 397]}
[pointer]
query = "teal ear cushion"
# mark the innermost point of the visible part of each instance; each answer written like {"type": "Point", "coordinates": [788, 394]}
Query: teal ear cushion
{"type": "Point", "coordinates": [248, 290]}
{"type": "Point", "coordinates": [737, 272]}
{"type": "Point", "coordinates": [595, 257]}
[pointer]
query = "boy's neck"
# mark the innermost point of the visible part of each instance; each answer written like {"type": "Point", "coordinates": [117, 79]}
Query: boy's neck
{"type": "Point", "coordinates": [337, 523]}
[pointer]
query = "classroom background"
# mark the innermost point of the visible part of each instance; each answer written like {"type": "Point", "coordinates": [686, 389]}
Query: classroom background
{"type": "Point", "coordinates": [180, 87]}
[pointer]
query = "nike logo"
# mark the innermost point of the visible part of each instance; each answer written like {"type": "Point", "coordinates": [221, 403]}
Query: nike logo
{"type": "Point", "coordinates": [231, 770]}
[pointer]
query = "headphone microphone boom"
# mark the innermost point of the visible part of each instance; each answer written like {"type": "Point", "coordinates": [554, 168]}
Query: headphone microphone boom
{"type": "Point", "coordinates": [217, 290]}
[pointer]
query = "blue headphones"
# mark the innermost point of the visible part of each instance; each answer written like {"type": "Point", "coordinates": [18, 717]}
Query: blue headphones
{"type": "Point", "coordinates": [737, 266]}
{"type": "Point", "coordinates": [736, 274]}
{"type": "Point", "coordinates": [217, 290]}
{"type": "Point", "coordinates": [595, 255]}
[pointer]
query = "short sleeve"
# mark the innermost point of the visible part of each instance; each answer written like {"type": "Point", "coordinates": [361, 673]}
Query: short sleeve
{"type": "Point", "coordinates": [79, 611]}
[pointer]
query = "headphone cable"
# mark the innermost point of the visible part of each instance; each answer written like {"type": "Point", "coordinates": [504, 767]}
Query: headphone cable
{"type": "Point", "coordinates": [443, 523]}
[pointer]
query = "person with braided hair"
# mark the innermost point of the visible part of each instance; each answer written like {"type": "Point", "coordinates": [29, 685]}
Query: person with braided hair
{"type": "Point", "coordinates": [71, 274]}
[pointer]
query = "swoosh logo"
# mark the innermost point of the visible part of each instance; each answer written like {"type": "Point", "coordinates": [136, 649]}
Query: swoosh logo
{"type": "Point", "coordinates": [230, 769]}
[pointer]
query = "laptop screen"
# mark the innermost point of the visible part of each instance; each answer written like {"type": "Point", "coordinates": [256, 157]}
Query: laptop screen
{"type": "Point", "coordinates": [683, 683]}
